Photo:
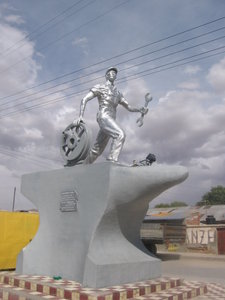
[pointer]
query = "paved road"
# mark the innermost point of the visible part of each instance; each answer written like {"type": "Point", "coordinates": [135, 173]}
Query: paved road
{"type": "Point", "coordinates": [194, 268]}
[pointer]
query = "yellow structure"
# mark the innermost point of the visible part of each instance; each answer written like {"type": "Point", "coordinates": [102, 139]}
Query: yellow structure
{"type": "Point", "coordinates": [17, 229]}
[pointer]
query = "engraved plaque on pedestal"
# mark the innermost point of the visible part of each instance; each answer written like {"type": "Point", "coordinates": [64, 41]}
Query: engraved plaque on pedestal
{"type": "Point", "coordinates": [68, 201]}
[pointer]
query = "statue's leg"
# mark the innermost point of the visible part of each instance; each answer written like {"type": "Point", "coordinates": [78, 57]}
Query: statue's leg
{"type": "Point", "coordinates": [112, 129]}
{"type": "Point", "coordinates": [99, 146]}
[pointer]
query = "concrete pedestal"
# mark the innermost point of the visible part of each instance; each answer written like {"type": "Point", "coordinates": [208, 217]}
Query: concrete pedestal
{"type": "Point", "coordinates": [90, 219]}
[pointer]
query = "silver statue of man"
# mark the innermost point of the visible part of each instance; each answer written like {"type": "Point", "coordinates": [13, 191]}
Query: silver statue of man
{"type": "Point", "coordinates": [108, 98]}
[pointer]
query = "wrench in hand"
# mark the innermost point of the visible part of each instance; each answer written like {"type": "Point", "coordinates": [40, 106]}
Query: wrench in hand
{"type": "Point", "coordinates": [148, 98]}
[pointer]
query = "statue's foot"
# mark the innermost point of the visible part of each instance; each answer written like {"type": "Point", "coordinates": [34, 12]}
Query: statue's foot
{"type": "Point", "coordinates": [112, 160]}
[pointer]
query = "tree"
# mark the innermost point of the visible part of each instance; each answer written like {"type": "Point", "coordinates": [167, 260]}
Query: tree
{"type": "Point", "coordinates": [216, 196]}
{"type": "Point", "coordinates": [162, 205]}
{"type": "Point", "coordinates": [172, 204]}
{"type": "Point", "coordinates": [178, 204]}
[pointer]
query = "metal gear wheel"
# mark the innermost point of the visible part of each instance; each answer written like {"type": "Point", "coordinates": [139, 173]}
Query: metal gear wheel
{"type": "Point", "coordinates": [75, 144]}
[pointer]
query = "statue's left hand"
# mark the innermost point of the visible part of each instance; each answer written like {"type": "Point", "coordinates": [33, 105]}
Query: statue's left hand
{"type": "Point", "coordinates": [144, 109]}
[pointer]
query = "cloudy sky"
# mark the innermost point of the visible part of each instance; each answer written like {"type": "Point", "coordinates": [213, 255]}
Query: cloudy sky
{"type": "Point", "coordinates": [52, 52]}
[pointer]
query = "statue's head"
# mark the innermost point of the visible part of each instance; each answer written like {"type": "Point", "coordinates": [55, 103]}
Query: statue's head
{"type": "Point", "coordinates": [111, 73]}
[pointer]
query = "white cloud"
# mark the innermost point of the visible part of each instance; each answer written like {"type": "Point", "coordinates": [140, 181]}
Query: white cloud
{"type": "Point", "coordinates": [192, 69]}
{"type": "Point", "coordinates": [29, 140]}
{"type": "Point", "coordinates": [17, 76]}
{"type": "Point", "coordinates": [189, 85]}
{"type": "Point", "coordinates": [82, 42]}
{"type": "Point", "coordinates": [14, 19]}
{"type": "Point", "coordinates": [185, 126]}
{"type": "Point", "coordinates": [216, 76]}
{"type": "Point", "coordinates": [33, 133]}
{"type": "Point", "coordinates": [184, 130]}
{"type": "Point", "coordinates": [167, 96]}
{"type": "Point", "coordinates": [64, 111]}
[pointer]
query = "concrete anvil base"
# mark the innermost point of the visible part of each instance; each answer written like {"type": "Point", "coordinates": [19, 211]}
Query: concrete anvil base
{"type": "Point", "coordinates": [90, 219]}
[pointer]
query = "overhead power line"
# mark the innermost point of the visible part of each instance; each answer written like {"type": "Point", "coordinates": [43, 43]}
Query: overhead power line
{"type": "Point", "coordinates": [37, 160]}
{"type": "Point", "coordinates": [41, 26]}
{"type": "Point", "coordinates": [44, 103]}
{"type": "Point", "coordinates": [66, 34]}
{"type": "Point", "coordinates": [124, 79]}
{"type": "Point", "coordinates": [102, 69]}
{"type": "Point", "coordinates": [124, 69]}
{"type": "Point", "coordinates": [127, 78]}
{"type": "Point", "coordinates": [116, 56]}
{"type": "Point", "coordinates": [172, 53]}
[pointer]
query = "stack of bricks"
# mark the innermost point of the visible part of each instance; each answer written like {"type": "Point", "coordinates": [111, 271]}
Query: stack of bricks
{"type": "Point", "coordinates": [24, 287]}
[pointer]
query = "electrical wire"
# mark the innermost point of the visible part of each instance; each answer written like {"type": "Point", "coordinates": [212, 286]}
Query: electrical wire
{"type": "Point", "coordinates": [123, 79]}
{"type": "Point", "coordinates": [40, 27]}
{"type": "Point", "coordinates": [66, 34]}
{"type": "Point", "coordinates": [125, 69]}
{"type": "Point", "coordinates": [116, 56]}
{"type": "Point", "coordinates": [173, 53]}
{"type": "Point", "coordinates": [99, 70]}
{"type": "Point", "coordinates": [40, 161]}
{"type": "Point", "coordinates": [140, 75]}
{"type": "Point", "coordinates": [171, 67]}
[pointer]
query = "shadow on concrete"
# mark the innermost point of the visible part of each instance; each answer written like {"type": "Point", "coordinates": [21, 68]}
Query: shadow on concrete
{"type": "Point", "coordinates": [168, 256]}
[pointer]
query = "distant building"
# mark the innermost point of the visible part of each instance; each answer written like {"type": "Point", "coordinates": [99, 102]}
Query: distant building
{"type": "Point", "coordinates": [186, 228]}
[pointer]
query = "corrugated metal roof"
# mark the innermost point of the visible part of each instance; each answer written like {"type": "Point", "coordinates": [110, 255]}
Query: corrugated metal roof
{"type": "Point", "coordinates": [167, 213]}
{"type": "Point", "coordinates": [179, 213]}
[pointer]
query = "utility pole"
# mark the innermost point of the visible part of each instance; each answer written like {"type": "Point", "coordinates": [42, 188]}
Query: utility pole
{"type": "Point", "coordinates": [14, 199]}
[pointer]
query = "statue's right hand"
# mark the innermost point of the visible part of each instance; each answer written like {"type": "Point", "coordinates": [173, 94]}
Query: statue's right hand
{"type": "Point", "coordinates": [78, 121]}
